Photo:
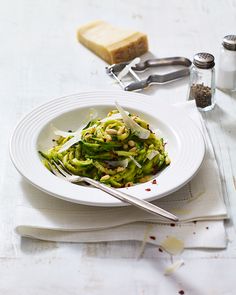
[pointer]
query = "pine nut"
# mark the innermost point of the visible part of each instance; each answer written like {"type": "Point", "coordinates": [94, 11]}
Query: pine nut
{"type": "Point", "coordinates": [105, 177]}
{"type": "Point", "coordinates": [111, 131]}
{"type": "Point", "coordinates": [120, 169]}
{"type": "Point", "coordinates": [131, 143]}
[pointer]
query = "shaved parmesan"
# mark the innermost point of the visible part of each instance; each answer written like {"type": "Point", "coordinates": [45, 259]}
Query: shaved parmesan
{"type": "Point", "coordinates": [70, 142]}
{"type": "Point", "coordinates": [92, 114]}
{"type": "Point", "coordinates": [132, 125]}
{"type": "Point", "coordinates": [76, 136]}
{"type": "Point", "coordinates": [123, 163]}
{"type": "Point", "coordinates": [135, 162]}
{"type": "Point", "coordinates": [61, 132]}
{"type": "Point", "coordinates": [172, 245]}
{"type": "Point", "coordinates": [173, 267]}
{"type": "Point", "coordinates": [113, 117]}
{"type": "Point", "coordinates": [147, 232]}
{"type": "Point", "coordinates": [152, 154]}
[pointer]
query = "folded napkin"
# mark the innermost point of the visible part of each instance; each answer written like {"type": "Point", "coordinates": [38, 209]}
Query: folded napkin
{"type": "Point", "coordinates": [199, 205]}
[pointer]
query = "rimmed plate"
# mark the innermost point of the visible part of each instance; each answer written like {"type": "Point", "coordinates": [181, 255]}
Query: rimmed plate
{"type": "Point", "coordinates": [185, 144]}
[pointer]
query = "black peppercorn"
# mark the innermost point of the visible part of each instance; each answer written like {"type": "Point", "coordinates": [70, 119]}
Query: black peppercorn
{"type": "Point", "coordinates": [202, 95]}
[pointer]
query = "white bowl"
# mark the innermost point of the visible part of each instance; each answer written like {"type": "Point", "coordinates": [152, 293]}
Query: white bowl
{"type": "Point", "coordinates": [185, 144]}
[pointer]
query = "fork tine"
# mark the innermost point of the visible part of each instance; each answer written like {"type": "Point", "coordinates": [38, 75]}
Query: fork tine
{"type": "Point", "coordinates": [61, 170]}
{"type": "Point", "coordinates": [55, 171]}
{"type": "Point", "coordinates": [64, 168]}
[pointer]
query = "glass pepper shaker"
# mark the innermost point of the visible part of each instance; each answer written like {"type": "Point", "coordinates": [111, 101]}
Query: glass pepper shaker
{"type": "Point", "coordinates": [202, 81]}
{"type": "Point", "coordinates": [226, 73]}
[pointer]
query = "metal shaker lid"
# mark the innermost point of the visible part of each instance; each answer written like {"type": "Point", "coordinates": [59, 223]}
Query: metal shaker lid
{"type": "Point", "coordinates": [229, 42]}
{"type": "Point", "coordinates": [204, 60]}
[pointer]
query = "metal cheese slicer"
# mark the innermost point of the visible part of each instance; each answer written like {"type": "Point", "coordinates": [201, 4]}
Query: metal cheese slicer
{"type": "Point", "coordinates": [119, 71]}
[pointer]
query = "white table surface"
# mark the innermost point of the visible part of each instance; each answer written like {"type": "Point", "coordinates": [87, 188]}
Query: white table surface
{"type": "Point", "coordinates": [41, 59]}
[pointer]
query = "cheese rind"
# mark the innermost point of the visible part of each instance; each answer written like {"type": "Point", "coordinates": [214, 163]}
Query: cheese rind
{"type": "Point", "coordinates": [112, 44]}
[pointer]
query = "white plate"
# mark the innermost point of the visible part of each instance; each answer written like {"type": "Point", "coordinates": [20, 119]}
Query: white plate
{"type": "Point", "coordinates": [185, 144]}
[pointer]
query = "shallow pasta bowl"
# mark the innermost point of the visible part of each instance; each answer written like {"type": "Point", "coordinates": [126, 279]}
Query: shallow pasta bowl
{"type": "Point", "coordinates": [185, 144]}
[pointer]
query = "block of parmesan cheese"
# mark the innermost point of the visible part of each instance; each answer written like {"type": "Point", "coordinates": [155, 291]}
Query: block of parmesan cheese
{"type": "Point", "coordinates": [112, 44]}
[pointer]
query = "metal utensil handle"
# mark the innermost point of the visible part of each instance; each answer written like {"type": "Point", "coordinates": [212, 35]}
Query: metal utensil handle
{"type": "Point", "coordinates": [158, 62]}
{"type": "Point", "coordinates": [169, 77]}
{"type": "Point", "coordinates": [132, 200]}
{"type": "Point", "coordinates": [157, 79]}
{"type": "Point", "coordinates": [137, 85]}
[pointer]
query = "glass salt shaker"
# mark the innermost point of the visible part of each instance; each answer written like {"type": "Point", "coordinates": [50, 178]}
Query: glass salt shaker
{"type": "Point", "coordinates": [202, 81]}
{"type": "Point", "coordinates": [226, 73]}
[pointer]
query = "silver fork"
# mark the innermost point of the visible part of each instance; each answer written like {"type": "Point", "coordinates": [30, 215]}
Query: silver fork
{"type": "Point", "coordinates": [62, 172]}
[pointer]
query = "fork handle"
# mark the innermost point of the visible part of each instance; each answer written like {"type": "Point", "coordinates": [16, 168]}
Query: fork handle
{"type": "Point", "coordinates": [132, 200]}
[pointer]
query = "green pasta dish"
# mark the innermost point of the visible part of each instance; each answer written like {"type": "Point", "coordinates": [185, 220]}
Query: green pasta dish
{"type": "Point", "coordinates": [119, 150]}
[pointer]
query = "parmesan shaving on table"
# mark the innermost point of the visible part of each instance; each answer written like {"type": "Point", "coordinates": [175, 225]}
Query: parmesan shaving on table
{"type": "Point", "coordinates": [172, 245]}
{"type": "Point", "coordinates": [173, 267]}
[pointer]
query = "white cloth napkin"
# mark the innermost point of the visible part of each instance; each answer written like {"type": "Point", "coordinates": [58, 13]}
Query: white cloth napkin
{"type": "Point", "coordinates": [199, 204]}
